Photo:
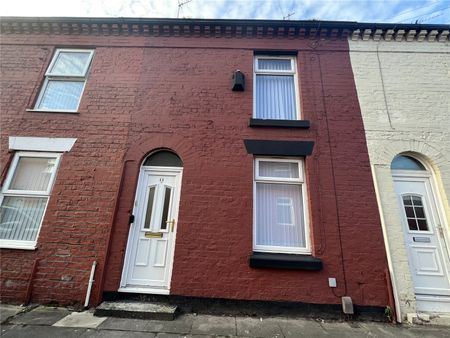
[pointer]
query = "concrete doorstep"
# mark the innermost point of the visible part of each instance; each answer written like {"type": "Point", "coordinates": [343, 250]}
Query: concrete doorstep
{"type": "Point", "coordinates": [49, 322]}
{"type": "Point", "coordinates": [135, 309]}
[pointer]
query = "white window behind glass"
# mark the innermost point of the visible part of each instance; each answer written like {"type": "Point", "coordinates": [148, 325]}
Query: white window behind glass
{"type": "Point", "coordinates": [279, 206]}
{"type": "Point", "coordinates": [276, 89]}
{"type": "Point", "coordinates": [24, 198]}
{"type": "Point", "coordinates": [64, 80]}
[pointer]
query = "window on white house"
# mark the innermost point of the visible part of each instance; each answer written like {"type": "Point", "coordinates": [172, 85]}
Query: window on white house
{"type": "Point", "coordinates": [64, 80]}
{"type": "Point", "coordinates": [279, 206]}
{"type": "Point", "coordinates": [24, 198]}
{"type": "Point", "coordinates": [276, 89]}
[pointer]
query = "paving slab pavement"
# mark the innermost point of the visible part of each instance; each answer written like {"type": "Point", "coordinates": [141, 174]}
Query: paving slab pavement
{"type": "Point", "coordinates": [123, 324]}
{"type": "Point", "coordinates": [5, 328]}
{"type": "Point", "coordinates": [258, 327]}
{"type": "Point", "coordinates": [172, 335]}
{"type": "Point", "coordinates": [377, 330]}
{"type": "Point", "coordinates": [421, 332]}
{"type": "Point", "coordinates": [48, 322]}
{"type": "Point", "coordinates": [214, 325]}
{"type": "Point", "coordinates": [182, 325]}
{"type": "Point", "coordinates": [8, 311]}
{"type": "Point", "coordinates": [84, 319]}
{"type": "Point", "coordinates": [115, 334]}
{"type": "Point", "coordinates": [341, 330]}
{"type": "Point", "coordinates": [42, 315]}
{"type": "Point", "coordinates": [300, 327]}
{"type": "Point", "coordinates": [37, 331]}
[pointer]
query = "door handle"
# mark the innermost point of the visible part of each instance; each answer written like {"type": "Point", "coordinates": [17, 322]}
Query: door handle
{"type": "Point", "coordinates": [172, 224]}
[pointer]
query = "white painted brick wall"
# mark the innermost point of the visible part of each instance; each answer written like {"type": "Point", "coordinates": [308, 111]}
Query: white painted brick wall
{"type": "Point", "coordinates": [404, 94]}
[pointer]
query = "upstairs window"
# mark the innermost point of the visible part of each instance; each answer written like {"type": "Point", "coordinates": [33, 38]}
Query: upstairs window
{"type": "Point", "coordinates": [279, 206]}
{"type": "Point", "coordinates": [24, 198]}
{"type": "Point", "coordinates": [276, 88]}
{"type": "Point", "coordinates": [64, 80]}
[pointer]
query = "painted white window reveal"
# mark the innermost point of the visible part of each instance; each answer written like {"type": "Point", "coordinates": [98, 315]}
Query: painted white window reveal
{"type": "Point", "coordinates": [24, 198]}
{"type": "Point", "coordinates": [65, 80]}
{"type": "Point", "coordinates": [280, 220]}
{"type": "Point", "coordinates": [27, 143]}
{"type": "Point", "coordinates": [276, 88]}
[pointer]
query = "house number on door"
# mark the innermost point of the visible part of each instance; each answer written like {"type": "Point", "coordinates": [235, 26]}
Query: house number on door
{"type": "Point", "coordinates": [161, 179]}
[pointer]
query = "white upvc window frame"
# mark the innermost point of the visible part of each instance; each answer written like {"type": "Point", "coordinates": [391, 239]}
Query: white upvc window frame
{"type": "Point", "coordinates": [54, 76]}
{"type": "Point", "coordinates": [300, 181]}
{"type": "Point", "coordinates": [7, 192]}
{"type": "Point", "coordinates": [293, 72]}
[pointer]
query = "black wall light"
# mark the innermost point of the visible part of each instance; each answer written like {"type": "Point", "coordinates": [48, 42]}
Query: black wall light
{"type": "Point", "coordinates": [238, 81]}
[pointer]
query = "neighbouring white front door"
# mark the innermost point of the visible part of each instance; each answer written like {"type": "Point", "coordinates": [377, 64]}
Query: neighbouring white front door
{"type": "Point", "coordinates": [151, 242]}
{"type": "Point", "coordinates": [425, 241]}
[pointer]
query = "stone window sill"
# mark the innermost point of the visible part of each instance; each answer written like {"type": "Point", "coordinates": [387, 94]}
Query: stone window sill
{"type": "Point", "coordinates": [284, 261]}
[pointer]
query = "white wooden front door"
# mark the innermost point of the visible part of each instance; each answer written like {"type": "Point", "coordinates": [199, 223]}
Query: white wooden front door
{"type": "Point", "coordinates": [151, 241]}
{"type": "Point", "coordinates": [425, 241]}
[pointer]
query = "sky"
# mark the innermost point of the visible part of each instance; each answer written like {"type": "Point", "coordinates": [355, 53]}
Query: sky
{"type": "Point", "coordinates": [397, 11]}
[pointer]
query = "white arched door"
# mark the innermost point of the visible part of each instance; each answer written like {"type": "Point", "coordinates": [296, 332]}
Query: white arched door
{"type": "Point", "coordinates": [151, 240]}
{"type": "Point", "coordinates": [425, 240]}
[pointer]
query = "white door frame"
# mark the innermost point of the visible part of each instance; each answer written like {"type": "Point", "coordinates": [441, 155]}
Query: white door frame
{"type": "Point", "coordinates": [155, 170]}
{"type": "Point", "coordinates": [409, 175]}
{"type": "Point", "coordinates": [440, 222]}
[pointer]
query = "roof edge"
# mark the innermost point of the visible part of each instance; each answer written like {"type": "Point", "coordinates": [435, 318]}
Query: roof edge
{"type": "Point", "coordinates": [216, 27]}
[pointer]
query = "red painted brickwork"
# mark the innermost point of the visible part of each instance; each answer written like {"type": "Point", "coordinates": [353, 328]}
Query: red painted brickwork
{"type": "Point", "coordinates": [145, 93]}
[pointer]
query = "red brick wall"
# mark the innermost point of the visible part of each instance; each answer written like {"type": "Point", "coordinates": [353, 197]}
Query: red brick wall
{"type": "Point", "coordinates": [145, 93]}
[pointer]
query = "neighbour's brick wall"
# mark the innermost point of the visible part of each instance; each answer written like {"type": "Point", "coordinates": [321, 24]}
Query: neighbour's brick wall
{"type": "Point", "coordinates": [145, 93]}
